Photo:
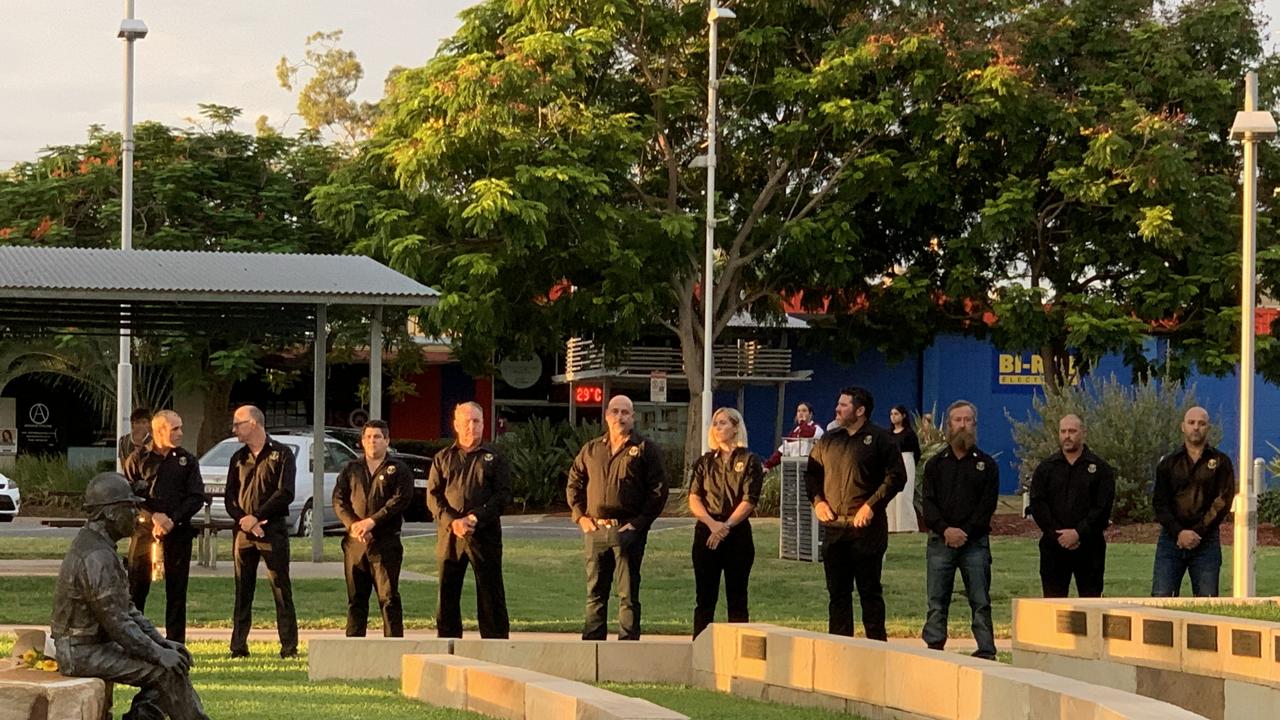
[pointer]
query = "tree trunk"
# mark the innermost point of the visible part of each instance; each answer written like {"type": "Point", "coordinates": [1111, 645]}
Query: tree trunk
{"type": "Point", "coordinates": [691, 356]}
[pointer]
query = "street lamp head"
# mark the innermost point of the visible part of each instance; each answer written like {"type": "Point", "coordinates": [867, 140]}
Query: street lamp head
{"type": "Point", "coordinates": [720, 13]}
{"type": "Point", "coordinates": [1259, 123]}
{"type": "Point", "coordinates": [132, 29]}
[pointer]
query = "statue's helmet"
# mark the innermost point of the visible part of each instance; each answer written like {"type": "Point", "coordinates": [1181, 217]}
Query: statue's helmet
{"type": "Point", "coordinates": [109, 488]}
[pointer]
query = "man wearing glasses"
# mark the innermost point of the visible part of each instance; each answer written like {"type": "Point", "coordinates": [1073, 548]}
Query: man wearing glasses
{"type": "Point", "coordinates": [260, 486]}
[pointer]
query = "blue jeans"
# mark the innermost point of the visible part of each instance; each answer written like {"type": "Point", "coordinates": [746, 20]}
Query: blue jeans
{"type": "Point", "coordinates": [1204, 563]}
{"type": "Point", "coordinates": [973, 560]}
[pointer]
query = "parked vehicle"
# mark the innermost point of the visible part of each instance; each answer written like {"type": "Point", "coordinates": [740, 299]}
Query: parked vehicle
{"type": "Point", "coordinates": [214, 464]}
{"type": "Point", "coordinates": [11, 499]}
{"type": "Point", "coordinates": [419, 464]}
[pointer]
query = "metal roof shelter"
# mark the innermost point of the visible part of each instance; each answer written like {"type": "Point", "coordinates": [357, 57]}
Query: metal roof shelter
{"type": "Point", "coordinates": [155, 293]}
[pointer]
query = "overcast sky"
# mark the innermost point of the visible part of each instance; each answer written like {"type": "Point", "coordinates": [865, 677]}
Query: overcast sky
{"type": "Point", "coordinates": [61, 65]}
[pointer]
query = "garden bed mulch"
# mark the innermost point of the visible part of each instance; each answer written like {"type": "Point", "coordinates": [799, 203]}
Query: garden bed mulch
{"type": "Point", "coordinates": [1017, 526]}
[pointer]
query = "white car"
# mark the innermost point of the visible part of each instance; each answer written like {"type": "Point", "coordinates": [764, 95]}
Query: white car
{"type": "Point", "coordinates": [214, 464]}
{"type": "Point", "coordinates": [10, 499]}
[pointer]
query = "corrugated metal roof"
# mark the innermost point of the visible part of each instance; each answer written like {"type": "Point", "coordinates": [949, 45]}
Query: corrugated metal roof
{"type": "Point", "coordinates": [243, 277]}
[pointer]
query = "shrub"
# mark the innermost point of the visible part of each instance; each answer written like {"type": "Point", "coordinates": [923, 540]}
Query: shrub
{"type": "Point", "coordinates": [1129, 426]}
{"type": "Point", "coordinates": [48, 481]}
{"type": "Point", "coordinates": [1269, 507]}
{"type": "Point", "coordinates": [541, 452]}
{"type": "Point", "coordinates": [770, 504]}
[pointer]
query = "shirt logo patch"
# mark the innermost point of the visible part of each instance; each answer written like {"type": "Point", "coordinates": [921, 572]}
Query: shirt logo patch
{"type": "Point", "coordinates": [391, 470]}
{"type": "Point", "coordinates": [634, 451]}
{"type": "Point", "coordinates": [1213, 463]}
{"type": "Point", "coordinates": [275, 455]}
{"type": "Point", "coordinates": [981, 465]}
{"type": "Point", "coordinates": [182, 461]}
{"type": "Point", "coordinates": [488, 457]}
{"type": "Point", "coordinates": [1092, 468]}
{"type": "Point", "coordinates": [866, 440]}
{"type": "Point", "coordinates": [740, 466]}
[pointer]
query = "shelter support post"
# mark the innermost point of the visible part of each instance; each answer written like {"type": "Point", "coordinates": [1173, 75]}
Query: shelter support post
{"type": "Point", "coordinates": [317, 435]}
{"type": "Point", "coordinates": [375, 365]}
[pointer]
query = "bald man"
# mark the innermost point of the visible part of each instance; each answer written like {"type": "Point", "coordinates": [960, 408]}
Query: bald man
{"type": "Point", "coordinates": [1072, 492]}
{"type": "Point", "coordinates": [1192, 495]}
{"type": "Point", "coordinates": [617, 487]}
{"type": "Point", "coordinates": [167, 477]}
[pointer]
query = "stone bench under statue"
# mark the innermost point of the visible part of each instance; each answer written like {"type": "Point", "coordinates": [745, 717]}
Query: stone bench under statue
{"type": "Point", "coordinates": [34, 694]}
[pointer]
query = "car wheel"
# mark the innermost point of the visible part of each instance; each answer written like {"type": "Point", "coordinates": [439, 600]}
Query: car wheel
{"type": "Point", "coordinates": [304, 520]}
{"type": "Point", "coordinates": [7, 518]}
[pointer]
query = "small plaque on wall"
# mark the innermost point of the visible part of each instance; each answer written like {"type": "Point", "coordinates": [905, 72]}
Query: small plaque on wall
{"type": "Point", "coordinates": [1157, 632]}
{"type": "Point", "coordinates": [1073, 622]}
{"type": "Point", "coordinates": [1202, 637]}
{"type": "Point", "coordinates": [1246, 643]}
{"type": "Point", "coordinates": [752, 647]}
{"type": "Point", "coordinates": [1117, 627]}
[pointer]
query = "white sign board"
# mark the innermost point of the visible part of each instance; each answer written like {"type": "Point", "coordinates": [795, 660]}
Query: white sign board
{"type": "Point", "coordinates": [8, 441]}
{"type": "Point", "coordinates": [657, 386]}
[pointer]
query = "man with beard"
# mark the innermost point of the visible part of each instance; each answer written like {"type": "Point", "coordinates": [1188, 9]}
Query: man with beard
{"type": "Point", "coordinates": [617, 487]}
{"type": "Point", "coordinates": [853, 472]}
{"type": "Point", "coordinates": [961, 487]}
{"type": "Point", "coordinates": [370, 498]}
{"type": "Point", "coordinates": [469, 487]}
{"type": "Point", "coordinates": [1192, 495]}
{"type": "Point", "coordinates": [97, 632]}
{"type": "Point", "coordinates": [1071, 496]}
{"type": "Point", "coordinates": [805, 428]}
{"type": "Point", "coordinates": [168, 477]}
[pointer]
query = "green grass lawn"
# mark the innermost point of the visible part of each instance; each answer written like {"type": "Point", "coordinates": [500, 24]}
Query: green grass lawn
{"type": "Point", "coordinates": [546, 585]}
{"type": "Point", "coordinates": [257, 688]}
{"type": "Point", "coordinates": [1248, 611]}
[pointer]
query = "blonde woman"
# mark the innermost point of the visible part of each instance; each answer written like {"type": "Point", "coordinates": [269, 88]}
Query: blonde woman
{"type": "Point", "coordinates": [724, 488]}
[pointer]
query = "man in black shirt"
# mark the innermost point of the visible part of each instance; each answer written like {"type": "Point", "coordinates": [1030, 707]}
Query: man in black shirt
{"type": "Point", "coordinates": [961, 488]}
{"type": "Point", "coordinates": [138, 437]}
{"type": "Point", "coordinates": [168, 478]}
{"type": "Point", "coordinates": [1192, 495]}
{"type": "Point", "coordinates": [617, 487]}
{"type": "Point", "coordinates": [370, 498]}
{"type": "Point", "coordinates": [854, 470]}
{"type": "Point", "coordinates": [469, 487]}
{"type": "Point", "coordinates": [260, 487]}
{"type": "Point", "coordinates": [1071, 496]}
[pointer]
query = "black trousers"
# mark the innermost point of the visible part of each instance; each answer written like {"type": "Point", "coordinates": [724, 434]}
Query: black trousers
{"type": "Point", "coordinates": [1086, 563]}
{"type": "Point", "coordinates": [612, 555]}
{"type": "Point", "coordinates": [368, 567]}
{"type": "Point", "coordinates": [733, 557]}
{"type": "Point", "coordinates": [176, 547]}
{"type": "Point", "coordinates": [273, 549]}
{"type": "Point", "coordinates": [848, 562]}
{"type": "Point", "coordinates": [483, 552]}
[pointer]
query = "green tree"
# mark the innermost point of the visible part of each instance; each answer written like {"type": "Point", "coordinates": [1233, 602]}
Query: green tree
{"type": "Point", "coordinates": [536, 170]}
{"type": "Point", "coordinates": [324, 101]}
{"type": "Point", "coordinates": [1112, 210]}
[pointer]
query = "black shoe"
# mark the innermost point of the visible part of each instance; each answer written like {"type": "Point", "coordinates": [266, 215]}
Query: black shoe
{"type": "Point", "coordinates": [286, 654]}
{"type": "Point", "coordinates": [239, 654]}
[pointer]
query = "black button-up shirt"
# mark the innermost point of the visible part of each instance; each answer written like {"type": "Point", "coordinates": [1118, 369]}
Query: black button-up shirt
{"type": "Point", "coordinates": [960, 492]}
{"type": "Point", "coordinates": [1073, 496]}
{"type": "Point", "coordinates": [1193, 496]}
{"type": "Point", "coordinates": [261, 485]}
{"type": "Point", "coordinates": [465, 482]}
{"type": "Point", "coordinates": [724, 484]}
{"type": "Point", "coordinates": [384, 496]}
{"type": "Point", "coordinates": [169, 482]}
{"type": "Point", "coordinates": [852, 470]}
{"type": "Point", "coordinates": [629, 485]}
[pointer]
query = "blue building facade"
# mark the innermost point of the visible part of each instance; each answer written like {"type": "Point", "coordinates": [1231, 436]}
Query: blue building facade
{"type": "Point", "coordinates": [998, 382]}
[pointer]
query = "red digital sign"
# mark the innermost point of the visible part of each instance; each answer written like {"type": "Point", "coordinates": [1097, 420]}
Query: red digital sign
{"type": "Point", "coordinates": [588, 394]}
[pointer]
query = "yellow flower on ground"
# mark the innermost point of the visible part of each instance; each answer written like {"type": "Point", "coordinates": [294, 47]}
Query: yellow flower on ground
{"type": "Point", "coordinates": [49, 665]}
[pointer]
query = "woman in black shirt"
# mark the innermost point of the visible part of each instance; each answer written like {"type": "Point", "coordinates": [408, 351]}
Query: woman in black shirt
{"type": "Point", "coordinates": [901, 510]}
{"type": "Point", "coordinates": [724, 488]}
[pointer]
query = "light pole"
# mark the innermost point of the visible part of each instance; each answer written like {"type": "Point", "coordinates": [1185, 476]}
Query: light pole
{"type": "Point", "coordinates": [131, 29]}
{"type": "Point", "coordinates": [714, 15]}
{"type": "Point", "coordinates": [1250, 126]}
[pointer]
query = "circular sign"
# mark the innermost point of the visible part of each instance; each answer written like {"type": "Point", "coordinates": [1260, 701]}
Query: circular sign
{"type": "Point", "coordinates": [39, 413]}
{"type": "Point", "coordinates": [521, 373]}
